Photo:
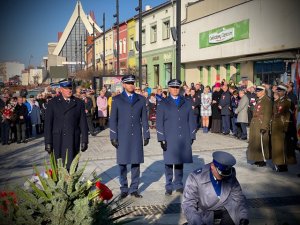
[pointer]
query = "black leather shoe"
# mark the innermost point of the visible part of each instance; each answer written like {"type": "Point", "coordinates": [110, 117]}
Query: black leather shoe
{"type": "Point", "coordinates": [261, 164]}
{"type": "Point", "coordinates": [168, 193]}
{"type": "Point", "coordinates": [281, 168]}
{"type": "Point", "coordinates": [123, 195]}
{"type": "Point", "coordinates": [136, 194]}
{"type": "Point", "coordinates": [180, 190]}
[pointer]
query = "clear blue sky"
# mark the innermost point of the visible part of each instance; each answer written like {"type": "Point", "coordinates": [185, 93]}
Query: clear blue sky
{"type": "Point", "coordinates": [28, 25]}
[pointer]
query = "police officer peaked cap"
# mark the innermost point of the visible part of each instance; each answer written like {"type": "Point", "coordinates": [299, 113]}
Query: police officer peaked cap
{"type": "Point", "coordinates": [223, 162]}
{"type": "Point", "coordinates": [174, 83]}
{"type": "Point", "coordinates": [65, 83]}
{"type": "Point", "coordinates": [260, 88]}
{"type": "Point", "coordinates": [281, 88]}
{"type": "Point", "coordinates": [128, 79]}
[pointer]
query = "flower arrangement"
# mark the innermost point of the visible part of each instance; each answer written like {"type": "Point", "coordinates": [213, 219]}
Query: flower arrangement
{"type": "Point", "coordinates": [61, 197]}
{"type": "Point", "coordinates": [8, 111]}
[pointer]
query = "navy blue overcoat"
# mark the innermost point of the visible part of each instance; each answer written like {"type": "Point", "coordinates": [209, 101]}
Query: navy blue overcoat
{"type": "Point", "coordinates": [126, 122]}
{"type": "Point", "coordinates": [65, 126]}
{"type": "Point", "coordinates": [177, 126]}
{"type": "Point", "coordinates": [225, 103]}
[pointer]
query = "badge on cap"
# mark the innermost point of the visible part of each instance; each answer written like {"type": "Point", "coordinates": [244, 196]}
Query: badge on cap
{"type": "Point", "coordinates": [128, 79]}
{"type": "Point", "coordinates": [174, 83]}
{"type": "Point", "coordinates": [223, 162]}
{"type": "Point", "coordinates": [65, 83]}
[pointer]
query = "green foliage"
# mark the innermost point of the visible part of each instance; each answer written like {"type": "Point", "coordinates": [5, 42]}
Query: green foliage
{"type": "Point", "coordinates": [64, 199]}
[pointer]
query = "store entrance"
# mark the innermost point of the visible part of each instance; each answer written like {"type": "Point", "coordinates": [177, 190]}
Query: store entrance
{"type": "Point", "coordinates": [270, 71]}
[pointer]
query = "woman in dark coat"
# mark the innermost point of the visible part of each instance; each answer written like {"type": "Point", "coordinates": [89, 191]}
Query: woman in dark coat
{"type": "Point", "coordinates": [216, 112]}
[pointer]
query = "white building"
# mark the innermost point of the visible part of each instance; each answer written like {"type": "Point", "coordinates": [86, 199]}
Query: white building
{"type": "Point", "coordinates": [35, 76]}
{"type": "Point", "coordinates": [230, 39]}
{"type": "Point", "coordinates": [10, 69]}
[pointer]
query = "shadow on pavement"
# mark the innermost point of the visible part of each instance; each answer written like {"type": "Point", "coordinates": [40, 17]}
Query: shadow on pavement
{"type": "Point", "coordinates": [152, 174]}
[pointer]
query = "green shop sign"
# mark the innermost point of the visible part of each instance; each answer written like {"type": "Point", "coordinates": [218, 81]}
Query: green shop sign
{"type": "Point", "coordinates": [229, 33]}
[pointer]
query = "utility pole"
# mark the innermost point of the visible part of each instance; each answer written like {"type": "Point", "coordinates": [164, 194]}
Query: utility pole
{"type": "Point", "coordinates": [94, 58]}
{"type": "Point", "coordinates": [103, 27]}
{"type": "Point", "coordinates": [118, 36]}
{"type": "Point", "coordinates": [140, 45]}
{"type": "Point", "coordinates": [81, 52]}
{"type": "Point", "coordinates": [178, 42]}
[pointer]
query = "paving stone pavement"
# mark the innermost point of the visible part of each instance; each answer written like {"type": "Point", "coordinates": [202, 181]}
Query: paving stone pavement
{"type": "Point", "coordinates": [274, 198]}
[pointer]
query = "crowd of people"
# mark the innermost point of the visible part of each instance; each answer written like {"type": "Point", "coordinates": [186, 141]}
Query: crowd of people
{"type": "Point", "coordinates": [225, 108]}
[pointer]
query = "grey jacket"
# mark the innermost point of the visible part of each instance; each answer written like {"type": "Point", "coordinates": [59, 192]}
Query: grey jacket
{"type": "Point", "coordinates": [242, 110]}
{"type": "Point", "coordinates": [200, 200]}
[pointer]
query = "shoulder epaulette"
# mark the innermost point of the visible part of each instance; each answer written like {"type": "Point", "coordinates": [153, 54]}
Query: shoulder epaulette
{"type": "Point", "coordinates": [198, 171]}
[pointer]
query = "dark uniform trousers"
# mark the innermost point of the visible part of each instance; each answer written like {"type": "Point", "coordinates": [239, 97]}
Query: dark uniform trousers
{"type": "Point", "coordinates": [135, 178]}
{"type": "Point", "coordinates": [226, 124]}
{"type": "Point", "coordinates": [178, 175]}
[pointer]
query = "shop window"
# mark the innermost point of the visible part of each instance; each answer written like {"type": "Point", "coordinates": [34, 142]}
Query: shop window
{"type": "Point", "coordinates": [156, 75]}
{"type": "Point", "coordinates": [153, 33]}
{"type": "Point", "coordinates": [218, 73]}
{"type": "Point", "coordinates": [168, 72]}
{"type": "Point", "coordinates": [227, 72]}
{"type": "Point", "coordinates": [209, 76]}
{"type": "Point", "coordinates": [144, 74]}
{"type": "Point", "coordinates": [201, 74]}
{"type": "Point", "coordinates": [238, 72]}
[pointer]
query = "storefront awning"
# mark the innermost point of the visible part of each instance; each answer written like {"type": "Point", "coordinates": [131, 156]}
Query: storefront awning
{"type": "Point", "coordinates": [282, 55]}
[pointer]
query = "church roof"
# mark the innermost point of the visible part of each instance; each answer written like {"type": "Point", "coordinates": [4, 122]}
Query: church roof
{"type": "Point", "coordinates": [87, 21]}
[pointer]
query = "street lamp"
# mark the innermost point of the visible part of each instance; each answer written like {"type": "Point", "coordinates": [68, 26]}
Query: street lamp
{"type": "Point", "coordinates": [139, 9]}
{"type": "Point", "coordinates": [103, 30]}
{"type": "Point", "coordinates": [118, 36]}
{"type": "Point", "coordinates": [178, 42]}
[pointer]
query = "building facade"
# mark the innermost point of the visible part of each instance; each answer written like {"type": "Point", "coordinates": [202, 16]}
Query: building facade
{"type": "Point", "coordinates": [229, 39]}
{"type": "Point", "coordinates": [122, 48]}
{"type": "Point", "coordinates": [10, 69]}
{"type": "Point", "coordinates": [109, 52]}
{"type": "Point", "coordinates": [158, 61]}
{"type": "Point", "coordinates": [131, 50]}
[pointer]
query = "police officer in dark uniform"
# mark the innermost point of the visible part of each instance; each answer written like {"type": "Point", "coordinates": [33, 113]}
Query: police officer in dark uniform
{"type": "Point", "coordinates": [214, 193]}
{"type": "Point", "coordinates": [176, 131]}
{"type": "Point", "coordinates": [128, 117]}
{"type": "Point", "coordinates": [225, 107]}
{"type": "Point", "coordinates": [65, 124]}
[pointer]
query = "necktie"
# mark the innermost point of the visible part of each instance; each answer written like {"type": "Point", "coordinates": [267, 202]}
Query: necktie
{"type": "Point", "coordinates": [68, 101]}
{"type": "Point", "coordinates": [130, 98]}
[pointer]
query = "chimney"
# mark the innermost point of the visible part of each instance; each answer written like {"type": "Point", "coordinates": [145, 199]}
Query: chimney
{"type": "Point", "coordinates": [92, 15]}
{"type": "Point", "coordinates": [59, 35]}
{"type": "Point", "coordinates": [147, 7]}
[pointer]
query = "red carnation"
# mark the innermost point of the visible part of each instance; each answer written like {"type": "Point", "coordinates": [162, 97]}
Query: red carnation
{"type": "Point", "coordinates": [105, 192]}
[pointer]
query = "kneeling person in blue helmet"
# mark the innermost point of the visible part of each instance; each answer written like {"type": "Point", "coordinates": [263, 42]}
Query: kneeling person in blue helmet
{"type": "Point", "coordinates": [214, 193]}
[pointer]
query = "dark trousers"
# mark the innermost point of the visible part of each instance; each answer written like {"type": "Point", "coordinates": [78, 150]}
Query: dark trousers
{"type": "Point", "coordinates": [90, 124]}
{"type": "Point", "coordinates": [226, 124]}
{"type": "Point", "coordinates": [5, 126]}
{"type": "Point", "coordinates": [223, 216]}
{"type": "Point", "coordinates": [21, 130]}
{"type": "Point", "coordinates": [244, 129]}
{"type": "Point", "coordinates": [28, 128]}
{"type": "Point", "coordinates": [135, 178]}
{"type": "Point", "coordinates": [178, 175]}
{"type": "Point", "coordinates": [234, 125]}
